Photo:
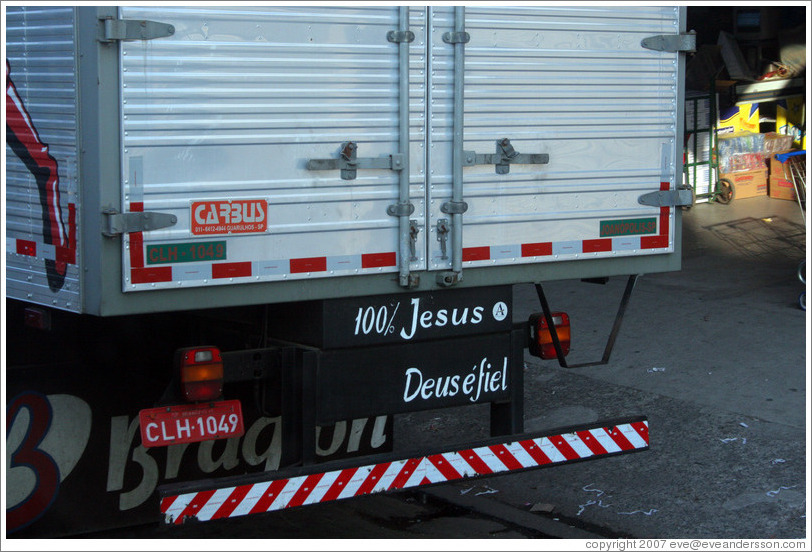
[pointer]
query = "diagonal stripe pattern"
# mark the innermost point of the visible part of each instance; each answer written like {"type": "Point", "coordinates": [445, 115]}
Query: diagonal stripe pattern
{"type": "Point", "coordinates": [322, 487]}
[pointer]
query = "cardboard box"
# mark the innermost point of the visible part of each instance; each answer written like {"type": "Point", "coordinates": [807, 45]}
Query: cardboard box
{"type": "Point", "coordinates": [780, 184]}
{"type": "Point", "coordinates": [790, 118]}
{"type": "Point", "coordinates": [776, 167]}
{"type": "Point", "coordinates": [748, 183]}
{"type": "Point", "coordinates": [782, 189]}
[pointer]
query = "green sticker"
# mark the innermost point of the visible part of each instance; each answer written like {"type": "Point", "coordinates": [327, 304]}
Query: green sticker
{"type": "Point", "coordinates": [628, 227]}
{"type": "Point", "coordinates": [165, 253]}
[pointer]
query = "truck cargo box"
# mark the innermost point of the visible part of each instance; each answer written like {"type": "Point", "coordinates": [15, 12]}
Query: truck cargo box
{"type": "Point", "coordinates": [259, 154]}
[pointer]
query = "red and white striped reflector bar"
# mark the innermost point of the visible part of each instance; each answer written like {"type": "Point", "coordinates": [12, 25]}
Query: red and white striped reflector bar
{"type": "Point", "coordinates": [267, 496]}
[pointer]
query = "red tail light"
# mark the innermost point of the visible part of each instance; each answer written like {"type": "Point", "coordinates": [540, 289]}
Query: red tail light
{"type": "Point", "coordinates": [541, 340]}
{"type": "Point", "coordinates": [201, 373]}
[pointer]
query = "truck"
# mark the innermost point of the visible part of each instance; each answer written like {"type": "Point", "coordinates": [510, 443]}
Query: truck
{"type": "Point", "coordinates": [242, 241]}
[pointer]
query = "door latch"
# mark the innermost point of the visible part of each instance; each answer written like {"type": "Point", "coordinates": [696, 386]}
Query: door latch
{"type": "Point", "coordinates": [505, 155]}
{"type": "Point", "coordinates": [442, 236]}
{"type": "Point", "coordinates": [349, 162]}
{"type": "Point", "coordinates": [414, 230]}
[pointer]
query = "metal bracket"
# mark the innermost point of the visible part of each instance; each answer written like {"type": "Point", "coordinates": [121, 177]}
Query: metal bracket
{"type": "Point", "coordinates": [610, 343]}
{"type": "Point", "coordinates": [504, 156]}
{"type": "Point", "coordinates": [449, 279]}
{"type": "Point", "coordinates": [414, 230]}
{"type": "Point", "coordinates": [349, 162]}
{"type": "Point", "coordinates": [456, 38]}
{"type": "Point", "coordinates": [454, 207]}
{"type": "Point", "coordinates": [667, 198]}
{"type": "Point", "coordinates": [400, 210]}
{"type": "Point", "coordinates": [116, 223]}
{"type": "Point", "coordinates": [129, 29]}
{"type": "Point", "coordinates": [442, 236]}
{"type": "Point", "coordinates": [400, 36]}
{"type": "Point", "coordinates": [685, 42]}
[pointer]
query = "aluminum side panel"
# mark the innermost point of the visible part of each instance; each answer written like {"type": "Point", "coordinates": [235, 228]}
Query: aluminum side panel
{"type": "Point", "coordinates": [42, 267]}
{"type": "Point", "coordinates": [573, 83]}
{"type": "Point", "coordinates": [232, 107]}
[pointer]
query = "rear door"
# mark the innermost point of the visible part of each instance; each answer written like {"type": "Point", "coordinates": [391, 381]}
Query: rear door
{"type": "Point", "coordinates": [221, 119]}
{"type": "Point", "coordinates": [576, 84]}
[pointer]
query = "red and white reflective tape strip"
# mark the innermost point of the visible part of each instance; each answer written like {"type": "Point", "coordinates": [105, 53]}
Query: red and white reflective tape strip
{"type": "Point", "coordinates": [267, 496]}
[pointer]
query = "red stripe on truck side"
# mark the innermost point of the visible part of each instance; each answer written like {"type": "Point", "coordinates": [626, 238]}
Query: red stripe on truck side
{"type": "Point", "coordinates": [311, 264]}
{"type": "Point", "coordinates": [375, 260]}
{"type": "Point", "coordinates": [597, 246]}
{"type": "Point", "coordinates": [151, 275]}
{"type": "Point", "coordinates": [476, 253]}
{"type": "Point", "coordinates": [537, 249]}
{"type": "Point", "coordinates": [231, 270]}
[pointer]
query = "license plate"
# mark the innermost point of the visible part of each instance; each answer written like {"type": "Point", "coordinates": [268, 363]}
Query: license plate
{"type": "Point", "coordinates": [190, 423]}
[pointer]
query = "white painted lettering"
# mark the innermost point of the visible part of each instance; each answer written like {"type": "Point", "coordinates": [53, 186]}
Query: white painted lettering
{"type": "Point", "coordinates": [495, 379]}
{"type": "Point", "coordinates": [482, 380]}
{"type": "Point", "coordinates": [467, 384]}
{"type": "Point", "coordinates": [378, 432]}
{"type": "Point", "coordinates": [339, 432]}
{"type": "Point", "coordinates": [211, 455]}
{"type": "Point", "coordinates": [462, 319]}
{"type": "Point", "coordinates": [442, 318]}
{"type": "Point", "coordinates": [271, 455]}
{"type": "Point", "coordinates": [407, 395]}
{"type": "Point", "coordinates": [415, 309]}
{"type": "Point", "coordinates": [425, 391]}
{"type": "Point", "coordinates": [227, 459]}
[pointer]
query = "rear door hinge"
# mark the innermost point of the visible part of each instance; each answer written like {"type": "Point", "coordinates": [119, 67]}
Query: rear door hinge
{"type": "Point", "coordinates": [685, 42]}
{"type": "Point", "coordinates": [667, 198]}
{"type": "Point", "coordinates": [133, 29]}
{"type": "Point", "coordinates": [115, 223]}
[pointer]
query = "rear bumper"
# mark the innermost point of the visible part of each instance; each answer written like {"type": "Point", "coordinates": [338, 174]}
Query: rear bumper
{"type": "Point", "coordinates": [267, 492]}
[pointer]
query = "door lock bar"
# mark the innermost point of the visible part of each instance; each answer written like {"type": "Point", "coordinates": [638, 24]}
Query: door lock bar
{"type": "Point", "coordinates": [505, 155]}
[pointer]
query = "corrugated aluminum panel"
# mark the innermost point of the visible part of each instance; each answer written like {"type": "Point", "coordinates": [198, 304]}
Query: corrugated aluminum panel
{"type": "Point", "coordinates": [574, 83]}
{"type": "Point", "coordinates": [220, 119]}
{"type": "Point", "coordinates": [231, 107]}
{"type": "Point", "coordinates": [41, 58]}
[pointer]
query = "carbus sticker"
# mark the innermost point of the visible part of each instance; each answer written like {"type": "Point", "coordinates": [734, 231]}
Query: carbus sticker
{"type": "Point", "coordinates": [163, 253]}
{"type": "Point", "coordinates": [242, 216]}
{"type": "Point", "coordinates": [628, 227]}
